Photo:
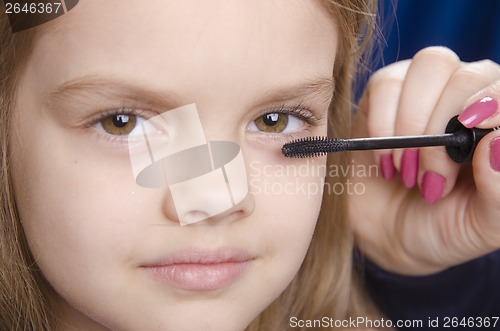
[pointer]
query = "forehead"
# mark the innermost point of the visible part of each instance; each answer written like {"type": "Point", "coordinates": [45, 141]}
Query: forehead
{"type": "Point", "coordinates": [152, 40]}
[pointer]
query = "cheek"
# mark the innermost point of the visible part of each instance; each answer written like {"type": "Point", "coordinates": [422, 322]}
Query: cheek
{"type": "Point", "coordinates": [73, 207]}
{"type": "Point", "coordinates": [83, 218]}
{"type": "Point", "coordinates": [288, 199]}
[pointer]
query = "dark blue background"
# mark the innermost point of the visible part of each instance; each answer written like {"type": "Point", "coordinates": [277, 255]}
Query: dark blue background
{"type": "Point", "coordinates": [469, 27]}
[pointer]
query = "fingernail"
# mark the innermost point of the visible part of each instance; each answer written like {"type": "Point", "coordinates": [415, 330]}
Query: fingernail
{"type": "Point", "coordinates": [495, 154]}
{"type": "Point", "coordinates": [387, 166]}
{"type": "Point", "coordinates": [409, 167]}
{"type": "Point", "coordinates": [478, 112]}
{"type": "Point", "coordinates": [432, 186]}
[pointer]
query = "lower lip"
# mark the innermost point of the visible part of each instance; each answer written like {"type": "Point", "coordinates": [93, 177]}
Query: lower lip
{"type": "Point", "coordinates": [199, 276]}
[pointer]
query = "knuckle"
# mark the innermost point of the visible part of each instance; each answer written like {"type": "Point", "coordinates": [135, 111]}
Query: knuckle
{"type": "Point", "coordinates": [437, 55]}
{"type": "Point", "coordinates": [387, 82]}
{"type": "Point", "coordinates": [471, 75]}
{"type": "Point", "coordinates": [495, 87]}
{"type": "Point", "coordinates": [488, 65]}
{"type": "Point", "coordinates": [493, 90]}
{"type": "Point", "coordinates": [480, 68]}
{"type": "Point", "coordinates": [393, 74]}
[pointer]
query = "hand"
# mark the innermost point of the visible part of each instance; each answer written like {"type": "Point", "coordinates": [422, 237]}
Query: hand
{"type": "Point", "coordinates": [423, 213]}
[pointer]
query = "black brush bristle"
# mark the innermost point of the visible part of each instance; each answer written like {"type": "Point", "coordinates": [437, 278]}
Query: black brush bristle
{"type": "Point", "coordinates": [313, 147]}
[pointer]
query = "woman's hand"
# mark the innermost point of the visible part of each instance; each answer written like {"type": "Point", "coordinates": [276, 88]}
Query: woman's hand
{"type": "Point", "coordinates": [422, 212]}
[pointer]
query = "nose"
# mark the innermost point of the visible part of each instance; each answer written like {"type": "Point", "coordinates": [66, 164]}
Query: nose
{"type": "Point", "coordinates": [204, 179]}
{"type": "Point", "coordinates": [208, 182]}
{"type": "Point", "coordinates": [206, 211]}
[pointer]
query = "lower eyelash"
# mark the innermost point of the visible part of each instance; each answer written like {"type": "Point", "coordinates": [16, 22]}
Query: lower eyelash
{"type": "Point", "coordinates": [111, 141]}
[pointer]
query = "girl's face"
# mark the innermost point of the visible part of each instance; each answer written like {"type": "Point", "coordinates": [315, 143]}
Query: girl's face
{"type": "Point", "coordinates": [114, 251]}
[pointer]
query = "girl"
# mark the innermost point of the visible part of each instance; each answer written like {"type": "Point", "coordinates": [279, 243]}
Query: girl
{"type": "Point", "coordinates": [84, 247]}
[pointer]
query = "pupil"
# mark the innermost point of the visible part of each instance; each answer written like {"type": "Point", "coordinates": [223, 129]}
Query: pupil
{"type": "Point", "coordinates": [120, 120]}
{"type": "Point", "coordinates": [271, 119]}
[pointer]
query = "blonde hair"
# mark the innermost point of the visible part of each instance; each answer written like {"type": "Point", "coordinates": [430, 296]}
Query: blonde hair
{"type": "Point", "coordinates": [25, 294]}
{"type": "Point", "coordinates": [327, 283]}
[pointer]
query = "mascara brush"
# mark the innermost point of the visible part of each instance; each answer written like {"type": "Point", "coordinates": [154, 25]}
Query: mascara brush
{"type": "Point", "coordinates": [460, 143]}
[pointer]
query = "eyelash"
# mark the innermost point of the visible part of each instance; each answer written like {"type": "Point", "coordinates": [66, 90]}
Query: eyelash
{"type": "Point", "coordinates": [299, 111]}
{"type": "Point", "coordinates": [120, 141]}
{"type": "Point", "coordinates": [116, 111]}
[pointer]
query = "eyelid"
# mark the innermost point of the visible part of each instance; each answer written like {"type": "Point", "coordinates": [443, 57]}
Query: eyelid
{"type": "Point", "coordinates": [300, 111]}
{"type": "Point", "coordinates": [115, 141]}
{"type": "Point", "coordinates": [146, 114]}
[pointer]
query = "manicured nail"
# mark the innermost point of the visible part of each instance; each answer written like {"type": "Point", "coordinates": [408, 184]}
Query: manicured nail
{"type": "Point", "coordinates": [387, 166]}
{"type": "Point", "coordinates": [478, 112]}
{"type": "Point", "coordinates": [409, 167]}
{"type": "Point", "coordinates": [495, 154]}
{"type": "Point", "coordinates": [432, 186]}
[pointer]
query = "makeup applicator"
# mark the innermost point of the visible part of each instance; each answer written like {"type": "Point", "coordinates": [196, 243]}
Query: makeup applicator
{"type": "Point", "coordinates": [460, 143]}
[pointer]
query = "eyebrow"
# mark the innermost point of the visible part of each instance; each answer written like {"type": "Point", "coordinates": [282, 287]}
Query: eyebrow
{"type": "Point", "coordinates": [320, 87]}
{"type": "Point", "coordinates": [95, 87]}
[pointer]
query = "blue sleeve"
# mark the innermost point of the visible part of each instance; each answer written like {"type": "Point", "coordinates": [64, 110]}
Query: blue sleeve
{"type": "Point", "coordinates": [468, 290]}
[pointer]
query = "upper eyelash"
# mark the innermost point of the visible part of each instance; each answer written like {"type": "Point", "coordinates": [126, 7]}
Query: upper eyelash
{"type": "Point", "coordinates": [300, 111]}
{"type": "Point", "coordinates": [116, 141]}
{"type": "Point", "coordinates": [118, 111]}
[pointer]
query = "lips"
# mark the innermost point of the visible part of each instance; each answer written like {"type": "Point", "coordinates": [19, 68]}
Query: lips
{"type": "Point", "coordinates": [200, 270]}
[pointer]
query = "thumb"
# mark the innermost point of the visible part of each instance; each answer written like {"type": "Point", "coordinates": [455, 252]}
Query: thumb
{"type": "Point", "coordinates": [484, 207]}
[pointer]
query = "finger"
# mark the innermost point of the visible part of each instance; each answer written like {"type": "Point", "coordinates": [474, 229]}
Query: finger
{"type": "Point", "coordinates": [482, 109]}
{"type": "Point", "coordinates": [427, 77]}
{"type": "Point", "coordinates": [383, 94]}
{"type": "Point", "coordinates": [438, 173]}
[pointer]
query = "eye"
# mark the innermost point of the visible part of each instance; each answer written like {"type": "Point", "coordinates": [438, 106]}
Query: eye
{"type": "Point", "coordinates": [276, 123]}
{"type": "Point", "coordinates": [120, 127]}
{"type": "Point", "coordinates": [118, 124]}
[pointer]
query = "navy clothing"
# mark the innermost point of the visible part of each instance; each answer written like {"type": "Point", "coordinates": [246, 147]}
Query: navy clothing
{"type": "Point", "coordinates": [468, 290]}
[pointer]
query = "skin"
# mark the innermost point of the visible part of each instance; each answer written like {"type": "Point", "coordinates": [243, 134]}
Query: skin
{"type": "Point", "coordinates": [399, 228]}
{"type": "Point", "coordinates": [90, 227]}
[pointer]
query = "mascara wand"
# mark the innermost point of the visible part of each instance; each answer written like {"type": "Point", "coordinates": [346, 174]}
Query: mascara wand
{"type": "Point", "coordinates": [460, 143]}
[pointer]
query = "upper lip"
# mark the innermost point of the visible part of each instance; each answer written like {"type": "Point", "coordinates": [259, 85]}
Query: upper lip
{"type": "Point", "coordinates": [202, 256]}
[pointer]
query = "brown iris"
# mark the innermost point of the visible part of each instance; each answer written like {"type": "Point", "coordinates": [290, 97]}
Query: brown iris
{"type": "Point", "coordinates": [119, 124]}
{"type": "Point", "coordinates": [272, 122]}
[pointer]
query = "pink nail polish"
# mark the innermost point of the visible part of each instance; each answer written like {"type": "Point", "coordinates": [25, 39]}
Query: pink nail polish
{"type": "Point", "coordinates": [432, 186]}
{"type": "Point", "coordinates": [387, 166]}
{"type": "Point", "coordinates": [409, 167]}
{"type": "Point", "coordinates": [495, 154]}
{"type": "Point", "coordinates": [478, 112]}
